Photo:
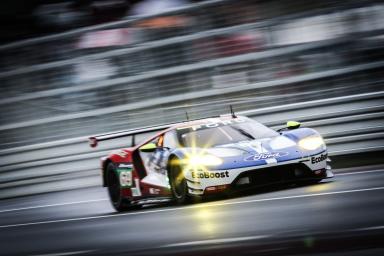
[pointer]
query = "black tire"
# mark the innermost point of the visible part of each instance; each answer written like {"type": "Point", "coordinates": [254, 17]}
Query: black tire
{"type": "Point", "coordinates": [114, 189]}
{"type": "Point", "coordinates": [178, 184]}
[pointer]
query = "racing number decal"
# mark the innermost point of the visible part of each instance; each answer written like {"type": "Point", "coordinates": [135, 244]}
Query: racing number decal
{"type": "Point", "coordinates": [125, 177]}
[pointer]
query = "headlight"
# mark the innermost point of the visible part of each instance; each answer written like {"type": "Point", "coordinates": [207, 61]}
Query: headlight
{"type": "Point", "coordinates": [204, 160]}
{"type": "Point", "coordinates": [311, 143]}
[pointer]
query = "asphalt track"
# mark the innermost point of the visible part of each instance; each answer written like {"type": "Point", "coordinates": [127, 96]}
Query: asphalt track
{"type": "Point", "coordinates": [341, 216]}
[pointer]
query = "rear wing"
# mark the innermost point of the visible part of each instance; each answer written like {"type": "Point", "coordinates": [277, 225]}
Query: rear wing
{"type": "Point", "coordinates": [94, 140]}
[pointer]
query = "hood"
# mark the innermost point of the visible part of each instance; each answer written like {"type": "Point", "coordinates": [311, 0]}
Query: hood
{"type": "Point", "coordinates": [267, 151]}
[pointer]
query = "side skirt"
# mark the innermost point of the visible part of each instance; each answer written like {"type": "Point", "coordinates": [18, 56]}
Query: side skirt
{"type": "Point", "coordinates": [152, 200]}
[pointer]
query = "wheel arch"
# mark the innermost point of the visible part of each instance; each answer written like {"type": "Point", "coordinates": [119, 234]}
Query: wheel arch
{"type": "Point", "coordinates": [171, 158]}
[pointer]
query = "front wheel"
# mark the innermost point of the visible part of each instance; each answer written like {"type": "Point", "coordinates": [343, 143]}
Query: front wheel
{"type": "Point", "coordinates": [114, 189]}
{"type": "Point", "coordinates": [178, 184]}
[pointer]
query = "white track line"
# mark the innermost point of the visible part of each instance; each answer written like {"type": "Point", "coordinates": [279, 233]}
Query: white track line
{"type": "Point", "coordinates": [192, 207]}
{"type": "Point", "coordinates": [52, 205]}
{"type": "Point", "coordinates": [217, 241]}
{"type": "Point", "coordinates": [369, 228]}
{"type": "Point", "coordinates": [245, 238]}
{"type": "Point", "coordinates": [106, 199]}
{"type": "Point", "coordinates": [362, 172]}
{"type": "Point", "coordinates": [65, 253]}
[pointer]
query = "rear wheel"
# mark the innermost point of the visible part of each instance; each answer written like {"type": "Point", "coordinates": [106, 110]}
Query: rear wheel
{"type": "Point", "coordinates": [114, 189]}
{"type": "Point", "coordinates": [178, 184]}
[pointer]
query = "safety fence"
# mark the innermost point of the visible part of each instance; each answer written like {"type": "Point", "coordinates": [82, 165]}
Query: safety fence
{"type": "Point", "coordinates": [208, 54]}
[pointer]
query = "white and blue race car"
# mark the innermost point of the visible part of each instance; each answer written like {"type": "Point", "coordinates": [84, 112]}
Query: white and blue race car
{"type": "Point", "coordinates": [210, 156]}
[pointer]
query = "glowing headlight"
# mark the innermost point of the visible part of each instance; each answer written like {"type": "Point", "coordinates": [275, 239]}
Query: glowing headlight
{"type": "Point", "coordinates": [204, 160]}
{"type": "Point", "coordinates": [311, 143]}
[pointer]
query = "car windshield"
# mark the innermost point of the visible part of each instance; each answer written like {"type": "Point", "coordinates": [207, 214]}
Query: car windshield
{"type": "Point", "coordinates": [223, 132]}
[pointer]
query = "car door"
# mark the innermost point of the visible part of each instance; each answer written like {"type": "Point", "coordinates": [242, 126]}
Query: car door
{"type": "Point", "coordinates": [155, 160]}
{"type": "Point", "coordinates": [158, 160]}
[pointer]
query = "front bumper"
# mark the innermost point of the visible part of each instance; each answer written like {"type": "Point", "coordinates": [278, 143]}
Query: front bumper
{"type": "Point", "coordinates": [245, 178]}
{"type": "Point", "coordinates": [279, 174]}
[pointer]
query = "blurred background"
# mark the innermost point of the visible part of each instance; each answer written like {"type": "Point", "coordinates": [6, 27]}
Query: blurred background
{"type": "Point", "coordinates": [70, 69]}
{"type": "Point", "coordinates": [76, 68]}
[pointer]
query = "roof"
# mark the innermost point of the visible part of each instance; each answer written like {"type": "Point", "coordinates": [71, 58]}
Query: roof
{"type": "Point", "coordinates": [203, 121]}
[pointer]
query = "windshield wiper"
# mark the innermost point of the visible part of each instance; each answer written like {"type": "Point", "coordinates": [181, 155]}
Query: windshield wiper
{"type": "Point", "coordinates": [243, 132]}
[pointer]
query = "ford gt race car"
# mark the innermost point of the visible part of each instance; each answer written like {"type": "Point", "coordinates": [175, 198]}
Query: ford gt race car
{"type": "Point", "coordinates": [209, 156]}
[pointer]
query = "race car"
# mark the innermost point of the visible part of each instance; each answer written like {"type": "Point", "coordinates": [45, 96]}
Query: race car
{"type": "Point", "coordinates": [194, 159]}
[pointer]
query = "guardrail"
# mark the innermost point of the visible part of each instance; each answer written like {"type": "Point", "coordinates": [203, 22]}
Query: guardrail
{"type": "Point", "coordinates": [349, 124]}
{"type": "Point", "coordinates": [55, 97]}
{"type": "Point", "coordinates": [195, 95]}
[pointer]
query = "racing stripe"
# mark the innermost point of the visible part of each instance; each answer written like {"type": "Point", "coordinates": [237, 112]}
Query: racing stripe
{"type": "Point", "coordinates": [259, 147]}
{"type": "Point", "coordinates": [267, 148]}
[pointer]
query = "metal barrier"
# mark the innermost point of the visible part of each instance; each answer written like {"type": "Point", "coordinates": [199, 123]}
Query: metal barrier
{"type": "Point", "coordinates": [81, 89]}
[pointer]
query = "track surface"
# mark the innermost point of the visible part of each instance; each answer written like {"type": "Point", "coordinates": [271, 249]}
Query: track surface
{"type": "Point", "coordinates": [286, 220]}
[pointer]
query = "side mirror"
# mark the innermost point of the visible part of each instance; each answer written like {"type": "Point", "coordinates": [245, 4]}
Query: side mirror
{"type": "Point", "coordinates": [293, 125]}
{"type": "Point", "coordinates": [148, 148]}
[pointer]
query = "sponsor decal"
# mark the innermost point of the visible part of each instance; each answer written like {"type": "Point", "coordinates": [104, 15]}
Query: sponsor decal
{"type": "Point", "coordinates": [154, 191]}
{"type": "Point", "coordinates": [120, 153]}
{"type": "Point", "coordinates": [210, 175]}
{"type": "Point", "coordinates": [318, 159]}
{"type": "Point", "coordinates": [136, 190]}
{"type": "Point", "coordinates": [266, 155]}
{"type": "Point", "coordinates": [125, 165]}
{"type": "Point", "coordinates": [213, 124]}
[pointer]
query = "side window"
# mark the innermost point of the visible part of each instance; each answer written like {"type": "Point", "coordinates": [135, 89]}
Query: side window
{"type": "Point", "coordinates": [160, 141]}
{"type": "Point", "coordinates": [169, 140]}
{"type": "Point", "coordinates": [139, 138]}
